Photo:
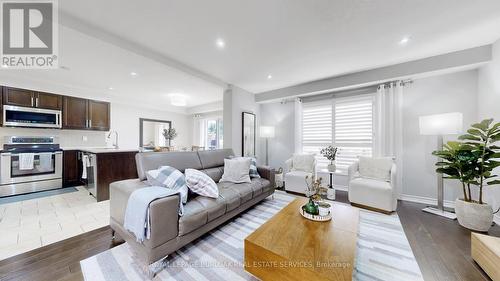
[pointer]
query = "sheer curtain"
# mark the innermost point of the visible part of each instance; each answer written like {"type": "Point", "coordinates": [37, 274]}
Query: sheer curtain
{"type": "Point", "coordinates": [388, 131]}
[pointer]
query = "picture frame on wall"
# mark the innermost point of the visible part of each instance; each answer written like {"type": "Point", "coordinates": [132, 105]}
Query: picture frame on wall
{"type": "Point", "coordinates": [248, 138]}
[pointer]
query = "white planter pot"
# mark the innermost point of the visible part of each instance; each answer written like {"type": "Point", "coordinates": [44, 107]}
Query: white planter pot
{"type": "Point", "coordinates": [331, 167]}
{"type": "Point", "coordinates": [474, 216]}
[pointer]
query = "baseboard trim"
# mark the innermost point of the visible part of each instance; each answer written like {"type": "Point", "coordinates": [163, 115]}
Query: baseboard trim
{"type": "Point", "coordinates": [426, 200]}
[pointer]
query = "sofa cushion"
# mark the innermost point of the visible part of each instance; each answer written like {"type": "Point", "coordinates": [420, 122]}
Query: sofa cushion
{"type": "Point", "coordinates": [245, 191]}
{"type": "Point", "coordinates": [215, 207]}
{"type": "Point", "coordinates": [257, 187]}
{"type": "Point", "coordinates": [180, 160]}
{"type": "Point", "coordinates": [214, 173]}
{"type": "Point", "coordinates": [264, 183]}
{"type": "Point", "coordinates": [214, 158]}
{"type": "Point", "coordinates": [230, 195]}
{"type": "Point", "coordinates": [195, 215]}
{"type": "Point", "coordinates": [373, 193]}
{"type": "Point", "coordinates": [201, 183]}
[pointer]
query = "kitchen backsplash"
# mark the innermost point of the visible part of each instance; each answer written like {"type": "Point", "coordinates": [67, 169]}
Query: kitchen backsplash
{"type": "Point", "coordinates": [67, 138]}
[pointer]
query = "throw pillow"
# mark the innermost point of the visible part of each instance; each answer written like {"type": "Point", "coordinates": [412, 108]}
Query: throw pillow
{"type": "Point", "coordinates": [253, 166]}
{"type": "Point", "coordinates": [303, 162]}
{"type": "Point", "coordinates": [169, 177]}
{"type": "Point", "coordinates": [236, 170]}
{"type": "Point", "coordinates": [200, 183]}
{"type": "Point", "coordinates": [375, 167]}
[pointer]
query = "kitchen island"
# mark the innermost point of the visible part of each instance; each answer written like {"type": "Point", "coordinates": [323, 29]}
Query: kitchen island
{"type": "Point", "coordinates": [106, 166]}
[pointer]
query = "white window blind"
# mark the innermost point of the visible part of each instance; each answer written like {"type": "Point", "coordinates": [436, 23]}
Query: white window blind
{"type": "Point", "coordinates": [353, 129]}
{"type": "Point", "coordinates": [317, 130]}
{"type": "Point", "coordinates": [346, 123]}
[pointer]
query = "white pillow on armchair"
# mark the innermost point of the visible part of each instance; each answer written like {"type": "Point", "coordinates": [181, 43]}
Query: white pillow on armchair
{"type": "Point", "coordinates": [303, 162]}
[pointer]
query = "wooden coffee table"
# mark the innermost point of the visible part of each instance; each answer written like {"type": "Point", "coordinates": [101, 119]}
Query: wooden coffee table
{"type": "Point", "coordinates": [290, 247]}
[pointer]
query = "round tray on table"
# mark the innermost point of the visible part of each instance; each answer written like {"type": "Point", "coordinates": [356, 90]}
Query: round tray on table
{"type": "Point", "coordinates": [315, 217]}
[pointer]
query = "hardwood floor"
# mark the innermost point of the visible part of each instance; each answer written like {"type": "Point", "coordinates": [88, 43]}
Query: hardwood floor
{"type": "Point", "coordinates": [441, 246]}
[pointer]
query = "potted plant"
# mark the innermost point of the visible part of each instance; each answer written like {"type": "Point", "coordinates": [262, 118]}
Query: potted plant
{"type": "Point", "coordinates": [330, 153]}
{"type": "Point", "coordinates": [169, 135]}
{"type": "Point", "coordinates": [472, 161]}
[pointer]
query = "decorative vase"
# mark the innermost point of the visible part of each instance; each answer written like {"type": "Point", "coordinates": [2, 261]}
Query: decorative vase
{"type": "Point", "coordinates": [323, 209]}
{"type": "Point", "coordinates": [311, 207]}
{"type": "Point", "coordinates": [474, 216]}
{"type": "Point", "coordinates": [331, 167]}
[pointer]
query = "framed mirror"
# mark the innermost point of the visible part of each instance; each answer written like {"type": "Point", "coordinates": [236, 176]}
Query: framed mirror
{"type": "Point", "coordinates": [151, 133]}
{"type": "Point", "coordinates": [248, 134]}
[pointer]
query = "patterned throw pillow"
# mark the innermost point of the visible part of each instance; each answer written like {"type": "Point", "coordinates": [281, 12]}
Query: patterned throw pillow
{"type": "Point", "coordinates": [200, 183]}
{"type": "Point", "coordinates": [253, 166]}
{"type": "Point", "coordinates": [169, 177]}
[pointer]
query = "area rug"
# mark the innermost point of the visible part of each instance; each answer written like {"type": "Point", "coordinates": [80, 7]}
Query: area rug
{"type": "Point", "coordinates": [383, 252]}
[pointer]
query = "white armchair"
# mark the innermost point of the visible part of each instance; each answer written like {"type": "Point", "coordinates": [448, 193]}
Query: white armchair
{"type": "Point", "coordinates": [296, 170]}
{"type": "Point", "coordinates": [371, 191]}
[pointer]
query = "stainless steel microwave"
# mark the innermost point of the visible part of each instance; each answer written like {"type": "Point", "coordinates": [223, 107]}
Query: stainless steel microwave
{"type": "Point", "coordinates": [18, 116]}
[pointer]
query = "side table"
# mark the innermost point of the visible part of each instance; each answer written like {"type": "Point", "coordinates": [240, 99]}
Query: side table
{"type": "Point", "coordinates": [330, 195]}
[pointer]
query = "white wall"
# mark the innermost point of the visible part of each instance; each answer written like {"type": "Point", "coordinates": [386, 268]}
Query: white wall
{"type": "Point", "coordinates": [125, 120]}
{"type": "Point", "coordinates": [489, 107]}
{"type": "Point", "coordinates": [236, 101]}
{"type": "Point", "coordinates": [456, 92]}
{"type": "Point", "coordinates": [282, 117]}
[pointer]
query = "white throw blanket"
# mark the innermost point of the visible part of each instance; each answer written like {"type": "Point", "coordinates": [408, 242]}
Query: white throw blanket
{"type": "Point", "coordinates": [137, 218]}
{"type": "Point", "coordinates": [26, 161]}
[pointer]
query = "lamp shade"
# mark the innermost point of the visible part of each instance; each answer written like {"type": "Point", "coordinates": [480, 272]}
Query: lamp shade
{"type": "Point", "coordinates": [267, 131]}
{"type": "Point", "coordinates": [441, 124]}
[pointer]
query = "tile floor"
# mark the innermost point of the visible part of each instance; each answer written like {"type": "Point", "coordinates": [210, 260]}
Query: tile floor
{"type": "Point", "coordinates": [33, 223]}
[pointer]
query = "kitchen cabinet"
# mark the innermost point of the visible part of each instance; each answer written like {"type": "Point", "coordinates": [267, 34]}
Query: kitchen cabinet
{"type": "Point", "coordinates": [98, 112]}
{"type": "Point", "coordinates": [18, 97]}
{"type": "Point", "coordinates": [29, 98]}
{"type": "Point", "coordinates": [106, 167]}
{"type": "Point", "coordinates": [74, 113]}
{"type": "Point", "coordinates": [72, 168]}
{"type": "Point", "coordinates": [48, 101]}
{"type": "Point", "coordinates": [83, 114]}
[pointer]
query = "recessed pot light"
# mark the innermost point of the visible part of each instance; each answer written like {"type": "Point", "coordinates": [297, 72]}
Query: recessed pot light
{"type": "Point", "coordinates": [404, 40]}
{"type": "Point", "coordinates": [111, 88]}
{"type": "Point", "coordinates": [133, 73]}
{"type": "Point", "coordinates": [220, 43]}
{"type": "Point", "coordinates": [269, 76]}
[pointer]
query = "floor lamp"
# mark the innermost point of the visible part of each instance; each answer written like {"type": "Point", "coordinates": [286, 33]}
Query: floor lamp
{"type": "Point", "coordinates": [267, 132]}
{"type": "Point", "coordinates": [440, 125]}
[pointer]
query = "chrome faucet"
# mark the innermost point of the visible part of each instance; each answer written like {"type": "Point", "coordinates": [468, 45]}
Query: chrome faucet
{"type": "Point", "coordinates": [115, 143]}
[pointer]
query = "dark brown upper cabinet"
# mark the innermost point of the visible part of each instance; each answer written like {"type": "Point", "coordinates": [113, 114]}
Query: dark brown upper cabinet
{"type": "Point", "coordinates": [48, 101]}
{"type": "Point", "coordinates": [29, 98]}
{"type": "Point", "coordinates": [98, 112]}
{"type": "Point", "coordinates": [18, 97]}
{"type": "Point", "coordinates": [83, 114]}
{"type": "Point", "coordinates": [74, 113]}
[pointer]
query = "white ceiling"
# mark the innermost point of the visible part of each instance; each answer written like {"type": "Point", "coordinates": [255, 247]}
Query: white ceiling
{"type": "Point", "coordinates": [92, 66]}
{"type": "Point", "coordinates": [294, 40]}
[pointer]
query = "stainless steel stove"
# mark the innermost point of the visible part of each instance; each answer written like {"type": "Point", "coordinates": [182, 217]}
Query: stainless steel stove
{"type": "Point", "coordinates": [30, 164]}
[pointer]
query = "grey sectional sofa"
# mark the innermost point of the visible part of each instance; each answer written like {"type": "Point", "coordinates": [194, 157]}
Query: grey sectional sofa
{"type": "Point", "coordinates": [170, 232]}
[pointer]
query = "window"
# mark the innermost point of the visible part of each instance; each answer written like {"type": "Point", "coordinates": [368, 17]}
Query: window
{"type": "Point", "coordinates": [346, 123]}
{"type": "Point", "coordinates": [211, 133]}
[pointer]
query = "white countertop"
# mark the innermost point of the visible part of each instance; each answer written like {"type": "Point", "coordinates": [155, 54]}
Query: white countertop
{"type": "Point", "coordinates": [101, 149]}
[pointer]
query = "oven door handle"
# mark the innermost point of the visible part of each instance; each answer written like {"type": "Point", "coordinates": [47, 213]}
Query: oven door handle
{"type": "Point", "coordinates": [6, 154]}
